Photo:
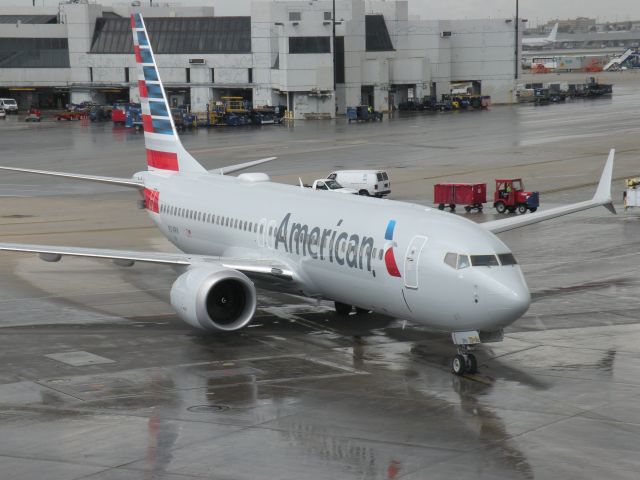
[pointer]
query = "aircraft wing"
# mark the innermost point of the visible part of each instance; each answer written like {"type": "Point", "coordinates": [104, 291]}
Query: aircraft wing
{"type": "Point", "coordinates": [53, 253]}
{"type": "Point", "coordinates": [124, 182]}
{"type": "Point", "coordinates": [602, 197]}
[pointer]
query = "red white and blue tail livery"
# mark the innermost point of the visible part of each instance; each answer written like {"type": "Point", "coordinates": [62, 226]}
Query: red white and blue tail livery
{"type": "Point", "coordinates": [164, 149]}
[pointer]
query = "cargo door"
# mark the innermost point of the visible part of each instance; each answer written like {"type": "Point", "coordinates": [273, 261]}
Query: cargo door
{"type": "Point", "coordinates": [412, 262]}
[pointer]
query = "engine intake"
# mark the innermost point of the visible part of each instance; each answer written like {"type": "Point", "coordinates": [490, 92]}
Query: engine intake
{"type": "Point", "coordinates": [214, 299]}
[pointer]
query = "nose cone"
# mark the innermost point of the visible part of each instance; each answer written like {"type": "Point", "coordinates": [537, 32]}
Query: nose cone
{"type": "Point", "coordinates": [509, 299]}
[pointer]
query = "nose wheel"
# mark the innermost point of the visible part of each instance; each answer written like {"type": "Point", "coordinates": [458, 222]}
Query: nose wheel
{"type": "Point", "coordinates": [464, 362]}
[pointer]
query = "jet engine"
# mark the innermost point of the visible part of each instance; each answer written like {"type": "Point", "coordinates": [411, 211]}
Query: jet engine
{"type": "Point", "coordinates": [214, 299]}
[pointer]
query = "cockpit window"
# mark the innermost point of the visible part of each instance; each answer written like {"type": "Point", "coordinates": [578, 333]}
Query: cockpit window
{"type": "Point", "coordinates": [456, 261]}
{"type": "Point", "coordinates": [484, 260]}
{"type": "Point", "coordinates": [507, 259]}
{"type": "Point", "coordinates": [451, 259]}
{"type": "Point", "coordinates": [463, 262]}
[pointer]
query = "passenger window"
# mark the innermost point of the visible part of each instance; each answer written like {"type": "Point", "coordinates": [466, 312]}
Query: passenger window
{"type": "Point", "coordinates": [332, 176]}
{"type": "Point", "coordinates": [245, 225]}
{"type": "Point", "coordinates": [463, 262]}
{"type": "Point", "coordinates": [451, 259]}
{"type": "Point", "coordinates": [385, 176]}
{"type": "Point", "coordinates": [270, 229]}
{"type": "Point", "coordinates": [484, 261]}
{"type": "Point", "coordinates": [380, 254]}
{"type": "Point", "coordinates": [507, 259]}
{"type": "Point", "coordinates": [261, 228]}
{"type": "Point", "coordinates": [380, 177]}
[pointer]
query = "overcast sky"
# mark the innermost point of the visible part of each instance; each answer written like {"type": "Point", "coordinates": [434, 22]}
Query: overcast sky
{"type": "Point", "coordinates": [537, 11]}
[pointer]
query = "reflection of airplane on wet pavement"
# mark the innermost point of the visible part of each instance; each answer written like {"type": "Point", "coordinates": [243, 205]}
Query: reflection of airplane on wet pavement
{"type": "Point", "coordinates": [400, 259]}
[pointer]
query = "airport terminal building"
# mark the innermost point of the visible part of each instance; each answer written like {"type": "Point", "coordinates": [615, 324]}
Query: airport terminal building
{"type": "Point", "coordinates": [284, 53]}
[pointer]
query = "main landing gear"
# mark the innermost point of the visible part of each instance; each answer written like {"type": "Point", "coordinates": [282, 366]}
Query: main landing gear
{"type": "Point", "coordinates": [344, 309]}
{"type": "Point", "coordinates": [464, 362]}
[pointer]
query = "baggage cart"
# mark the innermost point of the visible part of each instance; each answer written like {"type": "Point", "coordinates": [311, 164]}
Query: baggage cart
{"type": "Point", "coordinates": [471, 195]}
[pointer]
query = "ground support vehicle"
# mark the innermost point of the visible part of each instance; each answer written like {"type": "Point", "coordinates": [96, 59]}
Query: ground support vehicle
{"type": "Point", "coordinates": [471, 195]}
{"type": "Point", "coordinates": [373, 183]}
{"type": "Point", "coordinates": [510, 196]}
{"type": "Point", "coordinates": [331, 186]}
{"type": "Point", "coordinates": [126, 114]}
{"type": "Point", "coordinates": [183, 118]}
{"type": "Point", "coordinates": [361, 113]}
{"type": "Point", "coordinates": [70, 116]}
{"type": "Point", "coordinates": [34, 115]}
{"type": "Point", "coordinates": [267, 115]}
{"type": "Point", "coordinates": [133, 117]}
{"type": "Point", "coordinates": [9, 105]}
{"type": "Point", "coordinates": [99, 113]}
{"type": "Point", "coordinates": [631, 194]}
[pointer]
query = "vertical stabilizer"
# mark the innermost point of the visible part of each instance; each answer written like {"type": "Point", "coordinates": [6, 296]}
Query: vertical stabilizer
{"type": "Point", "coordinates": [165, 152]}
{"type": "Point", "coordinates": [554, 33]}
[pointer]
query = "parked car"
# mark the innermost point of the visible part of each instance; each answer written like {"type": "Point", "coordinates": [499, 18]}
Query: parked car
{"type": "Point", "coordinates": [366, 182]}
{"type": "Point", "coordinates": [9, 105]}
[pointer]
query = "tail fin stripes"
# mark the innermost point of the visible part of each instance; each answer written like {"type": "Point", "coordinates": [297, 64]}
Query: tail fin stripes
{"type": "Point", "coordinates": [164, 149]}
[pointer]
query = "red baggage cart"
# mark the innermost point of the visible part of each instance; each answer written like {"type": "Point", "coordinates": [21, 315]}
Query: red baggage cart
{"type": "Point", "coordinates": [471, 195]}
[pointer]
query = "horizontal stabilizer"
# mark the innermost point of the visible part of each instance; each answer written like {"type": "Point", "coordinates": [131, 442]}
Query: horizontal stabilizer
{"type": "Point", "coordinates": [123, 182]}
{"type": "Point", "coordinates": [241, 166]}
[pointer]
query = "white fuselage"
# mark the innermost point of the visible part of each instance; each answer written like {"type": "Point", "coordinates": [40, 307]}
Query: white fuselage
{"type": "Point", "coordinates": [338, 246]}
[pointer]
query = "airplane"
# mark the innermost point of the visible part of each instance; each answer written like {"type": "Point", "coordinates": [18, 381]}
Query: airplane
{"type": "Point", "coordinates": [541, 41]}
{"type": "Point", "coordinates": [236, 234]}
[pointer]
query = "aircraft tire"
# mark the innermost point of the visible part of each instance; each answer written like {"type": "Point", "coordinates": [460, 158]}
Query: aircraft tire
{"type": "Point", "coordinates": [472, 364]}
{"type": "Point", "coordinates": [458, 365]}
{"type": "Point", "coordinates": [342, 308]}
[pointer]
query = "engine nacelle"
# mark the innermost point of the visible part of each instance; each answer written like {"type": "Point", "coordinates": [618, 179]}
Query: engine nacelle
{"type": "Point", "coordinates": [214, 299]}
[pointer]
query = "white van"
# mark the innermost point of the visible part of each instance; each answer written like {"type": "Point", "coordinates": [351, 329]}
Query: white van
{"type": "Point", "coordinates": [9, 105]}
{"type": "Point", "coordinates": [366, 182]}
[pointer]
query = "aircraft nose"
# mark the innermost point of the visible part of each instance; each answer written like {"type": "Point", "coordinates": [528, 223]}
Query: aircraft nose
{"type": "Point", "coordinates": [510, 300]}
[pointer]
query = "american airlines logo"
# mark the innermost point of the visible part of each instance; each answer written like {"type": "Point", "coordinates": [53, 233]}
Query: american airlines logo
{"type": "Point", "coordinates": [331, 244]}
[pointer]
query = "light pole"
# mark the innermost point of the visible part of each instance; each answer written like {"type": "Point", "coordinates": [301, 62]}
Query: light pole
{"type": "Point", "coordinates": [333, 39]}
{"type": "Point", "coordinates": [517, 26]}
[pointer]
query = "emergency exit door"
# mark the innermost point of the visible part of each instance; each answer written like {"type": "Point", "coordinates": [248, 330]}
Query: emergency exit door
{"type": "Point", "coordinates": [412, 262]}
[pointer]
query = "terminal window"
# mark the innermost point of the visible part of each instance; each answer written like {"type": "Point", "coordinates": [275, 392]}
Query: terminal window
{"type": "Point", "coordinates": [309, 45]}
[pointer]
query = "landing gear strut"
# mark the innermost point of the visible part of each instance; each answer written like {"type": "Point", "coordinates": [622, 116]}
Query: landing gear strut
{"type": "Point", "coordinates": [464, 362]}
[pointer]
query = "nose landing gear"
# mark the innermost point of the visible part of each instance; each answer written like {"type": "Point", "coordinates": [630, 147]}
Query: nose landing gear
{"type": "Point", "coordinates": [464, 362]}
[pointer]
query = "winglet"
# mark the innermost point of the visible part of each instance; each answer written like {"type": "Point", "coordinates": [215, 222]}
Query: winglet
{"type": "Point", "coordinates": [603, 193]}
